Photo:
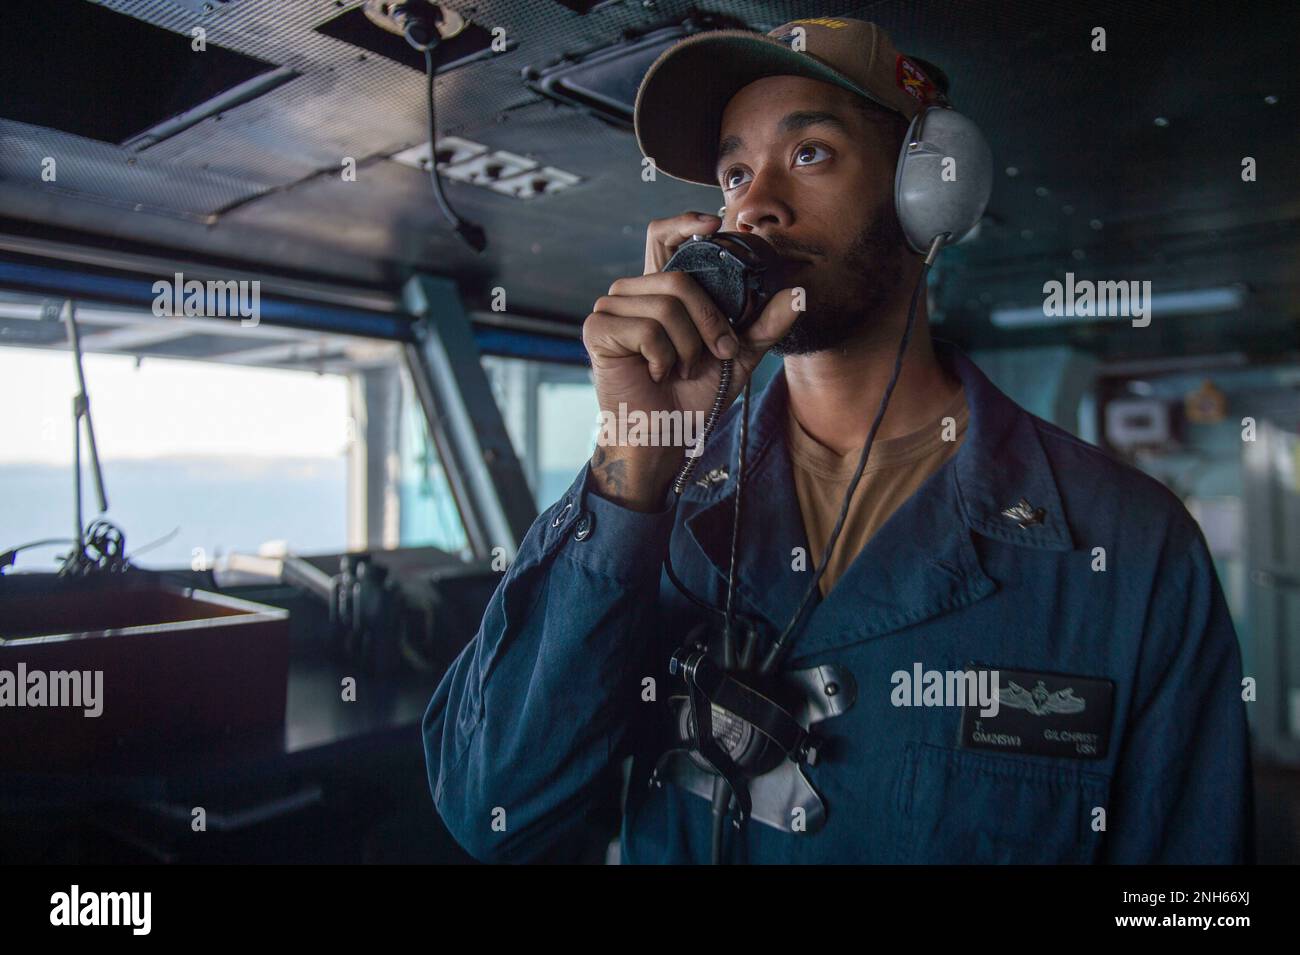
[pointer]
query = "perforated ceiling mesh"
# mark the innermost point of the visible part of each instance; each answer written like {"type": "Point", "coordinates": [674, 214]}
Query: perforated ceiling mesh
{"type": "Point", "coordinates": [260, 183]}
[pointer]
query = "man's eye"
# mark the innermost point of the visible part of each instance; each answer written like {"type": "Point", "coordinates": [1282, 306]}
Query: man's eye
{"type": "Point", "coordinates": [809, 149]}
{"type": "Point", "coordinates": [729, 180]}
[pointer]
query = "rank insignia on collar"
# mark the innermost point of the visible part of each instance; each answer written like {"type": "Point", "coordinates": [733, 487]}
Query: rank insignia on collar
{"type": "Point", "coordinates": [1025, 514]}
{"type": "Point", "coordinates": [714, 477]}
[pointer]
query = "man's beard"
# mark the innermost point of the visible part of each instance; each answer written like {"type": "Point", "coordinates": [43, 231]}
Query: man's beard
{"type": "Point", "coordinates": [838, 311]}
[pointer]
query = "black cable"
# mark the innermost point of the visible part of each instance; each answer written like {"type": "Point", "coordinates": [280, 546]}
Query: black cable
{"type": "Point", "coordinates": [774, 652]}
{"type": "Point", "coordinates": [144, 549]}
{"type": "Point", "coordinates": [715, 412]}
{"type": "Point", "coordinates": [721, 802]}
{"type": "Point", "coordinates": [473, 234]}
{"type": "Point", "coordinates": [686, 591]}
{"type": "Point", "coordinates": [722, 796]}
{"type": "Point", "coordinates": [728, 638]}
{"type": "Point", "coordinates": [688, 467]}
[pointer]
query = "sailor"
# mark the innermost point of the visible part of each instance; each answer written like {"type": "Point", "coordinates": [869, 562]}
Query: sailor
{"type": "Point", "coordinates": [979, 537]}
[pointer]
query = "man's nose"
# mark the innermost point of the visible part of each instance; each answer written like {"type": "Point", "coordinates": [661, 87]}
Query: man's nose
{"type": "Point", "coordinates": [763, 206]}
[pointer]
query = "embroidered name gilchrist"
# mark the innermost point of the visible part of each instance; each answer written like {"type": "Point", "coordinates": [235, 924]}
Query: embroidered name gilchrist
{"type": "Point", "coordinates": [1045, 714]}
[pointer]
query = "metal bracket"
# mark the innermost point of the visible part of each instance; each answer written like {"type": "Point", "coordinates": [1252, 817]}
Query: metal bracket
{"type": "Point", "coordinates": [464, 420]}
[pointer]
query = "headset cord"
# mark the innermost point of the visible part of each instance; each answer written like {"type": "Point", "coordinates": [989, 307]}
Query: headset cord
{"type": "Point", "coordinates": [776, 649]}
{"type": "Point", "coordinates": [722, 797]}
{"type": "Point", "coordinates": [719, 405]}
{"type": "Point", "coordinates": [721, 804]}
{"type": "Point", "coordinates": [686, 591]}
{"type": "Point", "coordinates": [688, 468]}
{"type": "Point", "coordinates": [727, 613]}
{"type": "Point", "coordinates": [728, 635]}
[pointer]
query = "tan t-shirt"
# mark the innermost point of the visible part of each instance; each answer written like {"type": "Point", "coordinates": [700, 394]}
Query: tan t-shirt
{"type": "Point", "coordinates": [895, 469]}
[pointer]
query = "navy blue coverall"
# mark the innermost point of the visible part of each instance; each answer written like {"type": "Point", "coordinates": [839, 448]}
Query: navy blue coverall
{"type": "Point", "coordinates": [539, 710]}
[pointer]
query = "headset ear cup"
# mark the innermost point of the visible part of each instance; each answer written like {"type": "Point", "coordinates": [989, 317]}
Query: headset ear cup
{"type": "Point", "coordinates": [944, 177]}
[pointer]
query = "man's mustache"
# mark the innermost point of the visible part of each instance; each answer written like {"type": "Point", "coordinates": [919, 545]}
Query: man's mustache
{"type": "Point", "coordinates": [788, 248]}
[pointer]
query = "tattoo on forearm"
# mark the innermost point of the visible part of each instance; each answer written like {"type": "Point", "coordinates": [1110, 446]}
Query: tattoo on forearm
{"type": "Point", "coordinates": [612, 474]}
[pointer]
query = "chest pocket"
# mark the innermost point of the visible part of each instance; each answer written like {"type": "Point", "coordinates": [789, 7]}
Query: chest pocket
{"type": "Point", "coordinates": [959, 806]}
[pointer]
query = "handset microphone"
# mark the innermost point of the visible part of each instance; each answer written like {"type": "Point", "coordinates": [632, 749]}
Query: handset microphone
{"type": "Point", "coordinates": [739, 272]}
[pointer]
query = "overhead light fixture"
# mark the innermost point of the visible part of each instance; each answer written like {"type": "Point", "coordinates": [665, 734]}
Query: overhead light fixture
{"type": "Point", "coordinates": [604, 82]}
{"type": "Point", "coordinates": [1166, 304]}
{"type": "Point", "coordinates": [1200, 301]}
{"type": "Point", "coordinates": [394, 15]}
{"type": "Point", "coordinates": [377, 27]}
{"type": "Point", "coordinates": [1139, 423]}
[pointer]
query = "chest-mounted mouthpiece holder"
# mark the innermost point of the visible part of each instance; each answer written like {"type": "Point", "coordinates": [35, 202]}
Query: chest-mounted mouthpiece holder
{"type": "Point", "coordinates": [756, 732]}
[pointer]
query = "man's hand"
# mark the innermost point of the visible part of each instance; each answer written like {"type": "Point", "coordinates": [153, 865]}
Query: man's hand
{"type": "Point", "coordinates": [656, 343]}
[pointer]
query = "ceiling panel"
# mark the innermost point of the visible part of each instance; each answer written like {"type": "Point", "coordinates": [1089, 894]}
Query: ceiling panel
{"type": "Point", "coordinates": [1099, 187]}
